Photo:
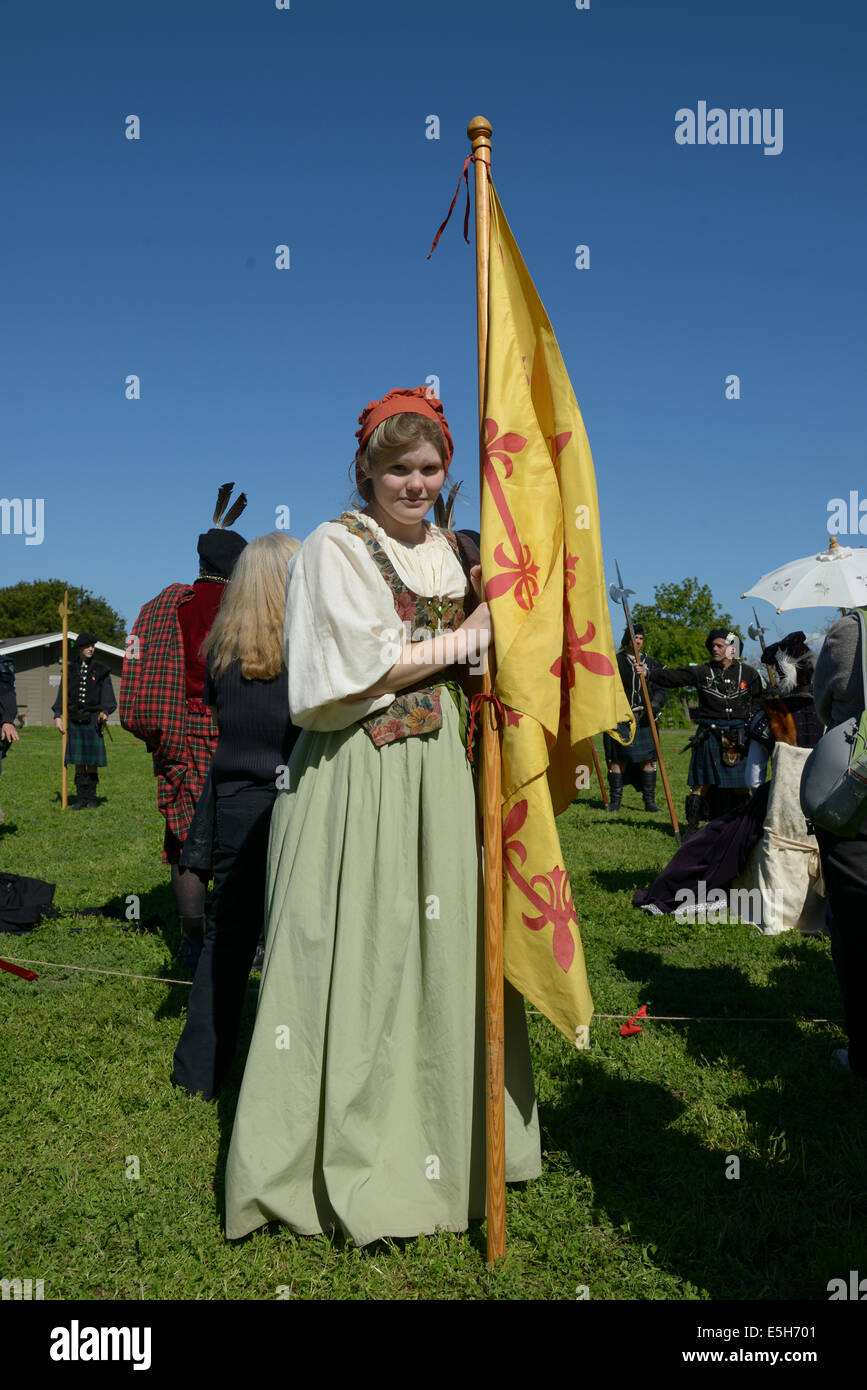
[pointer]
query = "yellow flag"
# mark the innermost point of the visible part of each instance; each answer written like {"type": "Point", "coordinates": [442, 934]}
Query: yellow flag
{"type": "Point", "coordinates": [556, 673]}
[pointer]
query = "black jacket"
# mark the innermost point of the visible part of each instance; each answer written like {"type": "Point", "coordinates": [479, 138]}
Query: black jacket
{"type": "Point", "coordinates": [729, 694]}
{"type": "Point", "coordinates": [8, 704]}
{"type": "Point", "coordinates": [632, 686]}
{"type": "Point", "coordinates": [91, 696]}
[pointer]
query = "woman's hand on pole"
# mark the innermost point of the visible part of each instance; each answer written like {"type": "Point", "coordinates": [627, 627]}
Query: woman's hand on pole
{"type": "Point", "coordinates": [466, 645]}
{"type": "Point", "coordinates": [479, 622]}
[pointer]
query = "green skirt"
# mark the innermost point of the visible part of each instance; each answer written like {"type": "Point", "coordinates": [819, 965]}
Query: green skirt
{"type": "Point", "coordinates": [362, 1103]}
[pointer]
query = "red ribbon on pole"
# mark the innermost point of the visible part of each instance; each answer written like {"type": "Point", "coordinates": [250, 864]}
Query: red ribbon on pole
{"type": "Point", "coordinates": [464, 174]}
{"type": "Point", "coordinates": [475, 705]}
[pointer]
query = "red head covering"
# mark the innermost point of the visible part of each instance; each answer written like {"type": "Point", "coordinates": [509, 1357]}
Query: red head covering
{"type": "Point", "coordinates": [404, 400]}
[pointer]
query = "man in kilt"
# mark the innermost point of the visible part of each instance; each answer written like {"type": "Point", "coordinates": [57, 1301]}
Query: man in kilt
{"type": "Point", "coordinates": [634, 762]}
{"type": "Point", "coordinates": [161, 702]}
{"type": "Point", "coordinates": [727, 690]}
{"type": "Point", "coordinates": [89, 703]}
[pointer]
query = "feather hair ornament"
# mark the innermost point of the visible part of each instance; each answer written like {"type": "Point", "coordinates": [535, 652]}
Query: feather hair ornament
{"type": "Point", "coordinates": [444, 512]}
{"type": "Point", "coordinates": [235, 510]}
{"type": "Point", "coordinates": [223, 495]}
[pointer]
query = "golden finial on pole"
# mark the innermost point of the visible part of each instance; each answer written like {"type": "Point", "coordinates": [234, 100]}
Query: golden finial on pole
{"type": "Point", "coordinates": [479, 134]}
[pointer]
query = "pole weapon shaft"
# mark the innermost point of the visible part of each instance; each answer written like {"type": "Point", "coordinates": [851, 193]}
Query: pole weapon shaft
{"type": "Point", "coordinates": [599, 774]}
{"type": "Point", "coordinates": [647, 705]}
{"type": "Point", "coordinates": [761, 630]}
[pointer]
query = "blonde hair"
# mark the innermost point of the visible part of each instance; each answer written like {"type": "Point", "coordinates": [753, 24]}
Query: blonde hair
{"type": "Point", "coordinates": [249, 624]}
{"type": "Point", "coordinates": [391, 434]}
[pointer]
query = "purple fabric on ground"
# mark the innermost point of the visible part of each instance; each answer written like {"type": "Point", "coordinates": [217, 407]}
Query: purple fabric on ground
{"type": "Point", "coordinates": [714, 856]}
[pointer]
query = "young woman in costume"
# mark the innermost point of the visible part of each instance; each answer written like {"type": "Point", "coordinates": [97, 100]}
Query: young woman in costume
{"type": "Point", "coordinates": [91, 700]}
{"type": "Point", "coordinates": [245, 687]}
{"type": "Point", "coordinates": [362, 1104]}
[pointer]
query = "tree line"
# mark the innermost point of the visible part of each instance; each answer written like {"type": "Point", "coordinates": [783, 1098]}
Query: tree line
{"type": "Point", "coordinates": [31, 608]}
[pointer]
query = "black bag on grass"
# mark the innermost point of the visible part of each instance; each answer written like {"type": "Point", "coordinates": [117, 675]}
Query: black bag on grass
{"type": "Point", "coordinates": [24, 902]}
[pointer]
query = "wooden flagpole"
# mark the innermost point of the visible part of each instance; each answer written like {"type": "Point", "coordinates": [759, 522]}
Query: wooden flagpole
{"type": "Point", "coordinates": [63, 610]}
{"type": "Point", "coordinates": [479, 134]}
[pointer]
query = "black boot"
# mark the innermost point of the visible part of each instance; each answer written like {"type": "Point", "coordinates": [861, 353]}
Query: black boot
{"type": "Point", "coordinates": [81, 787]}
{"type": "Point", "coordinates": [92, 784]}
{"type": "Point", "coordinates": [615, 790]}
{"type": "Point", "coordinates": [192, 940]}
{"type": "Point", "coordinates": [694, 807]}
{"type": "Point", "coordinates": [648, 787]}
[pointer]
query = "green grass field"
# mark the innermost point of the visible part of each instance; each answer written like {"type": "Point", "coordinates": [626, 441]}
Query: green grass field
{"type": "Point", "coordinates": [637, 1133]}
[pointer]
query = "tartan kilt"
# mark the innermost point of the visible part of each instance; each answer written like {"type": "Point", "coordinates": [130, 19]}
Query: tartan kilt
{"type": "Point", "coordinates": [85, 747]}
{"type": "Point", "coordinates": [640, 750]}
{"type": "Point", "coordinates": [706, 767]}
{"type": "Point", "coordinates": [180, 785]}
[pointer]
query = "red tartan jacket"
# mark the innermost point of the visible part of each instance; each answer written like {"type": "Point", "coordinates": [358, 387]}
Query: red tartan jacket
{"type": "Point", "coordinates": [152, 687]}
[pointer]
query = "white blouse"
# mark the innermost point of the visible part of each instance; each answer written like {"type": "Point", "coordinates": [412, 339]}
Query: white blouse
{"type": "Point", "coordinates": [341, 632]}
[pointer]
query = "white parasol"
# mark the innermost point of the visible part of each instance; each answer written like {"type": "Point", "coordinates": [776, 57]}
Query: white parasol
{"type": "Point", "coordinates": [834, 578]}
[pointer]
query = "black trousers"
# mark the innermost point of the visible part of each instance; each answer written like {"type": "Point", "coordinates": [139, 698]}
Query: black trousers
{"type": "Point", "coordinates": [206, 1049]}
{"type": "Point", "coordinates": [844, 865]}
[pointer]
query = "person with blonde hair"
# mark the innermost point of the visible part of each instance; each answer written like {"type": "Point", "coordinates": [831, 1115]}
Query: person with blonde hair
{"type": "Point", "coordinates": [362, 1104]}
{"type": "Point", "coordinates": [245, 686]}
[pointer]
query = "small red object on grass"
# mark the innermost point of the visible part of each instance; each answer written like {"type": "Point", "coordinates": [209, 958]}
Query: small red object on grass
{"type": "Point", "coordinates": [627, 1029]}
{"type": "Point", "coordinates": [17, 970]}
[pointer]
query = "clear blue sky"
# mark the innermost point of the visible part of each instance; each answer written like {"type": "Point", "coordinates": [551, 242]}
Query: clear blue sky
{"type": "Point", "coordinates": [306, 126]}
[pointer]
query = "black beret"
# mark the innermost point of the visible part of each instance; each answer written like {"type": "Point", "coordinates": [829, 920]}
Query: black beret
{"type": "Point", "coordinates": [636, 627]}
{"type": "Point", "coordinates": [219, 551]}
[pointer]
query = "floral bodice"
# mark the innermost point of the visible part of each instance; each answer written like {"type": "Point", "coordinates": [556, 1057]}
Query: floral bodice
{"type": "Point", "coordinates": [426, 616]}
{"type": "Point", "coordinates": [417, 711]}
